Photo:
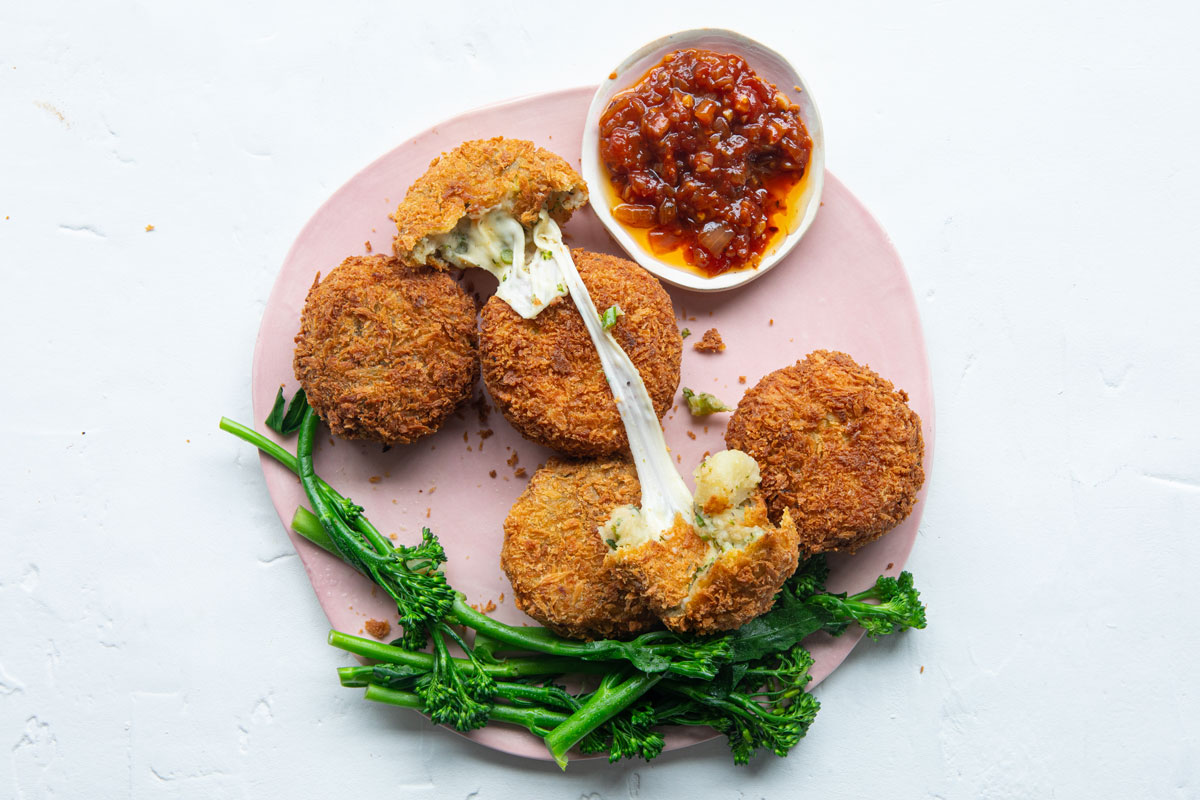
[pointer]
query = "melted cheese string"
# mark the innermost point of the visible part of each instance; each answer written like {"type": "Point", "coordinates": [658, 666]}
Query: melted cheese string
{"type": "Point", "coordinates": [535, 267]}
{"type": "Point", "coordinates": [664, 494]}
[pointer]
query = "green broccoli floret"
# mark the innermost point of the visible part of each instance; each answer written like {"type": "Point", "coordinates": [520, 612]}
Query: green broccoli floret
{"type": "Point", "coordinates": [809, 578]}
{"type": "Point", "coordinates": [452, 695]}
{"type": "Point", "coordinates": [630, 734]}
{"type": "Point", "coordinates": [762, 705]}
{"type": "Point", "coordinates": [896, 607]}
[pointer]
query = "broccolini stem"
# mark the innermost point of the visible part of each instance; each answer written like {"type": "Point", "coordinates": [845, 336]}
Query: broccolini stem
{"type": "Point", "coordinates": [537, 639]}
{"type": "Point", "coordinates": [352, 549]}
{"type": "Point", "coordinates": [601, 706]}
{"type": "Point", "coordinates": [269, 447]}
{"type": "Point", "coordinates": [536, 720]}
{"type": "Point", "coordinates": [521, 694]}
{"type": "Point", "coordinates": [508, 668]}
{"type": "Point", "coordinates": [290, 461]}
{"type": "Point", "coordinates": [305, 523]}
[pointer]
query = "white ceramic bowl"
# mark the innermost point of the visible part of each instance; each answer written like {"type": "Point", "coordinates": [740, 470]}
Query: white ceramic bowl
{"type": "Point", "coordinates": [770, 66]}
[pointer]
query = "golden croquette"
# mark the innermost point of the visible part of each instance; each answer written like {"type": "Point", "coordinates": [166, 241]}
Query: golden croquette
{"type": "Point", "coordinates": [837, 445]}
{"type": "Point", "coordinates": [545, 375]}
{"type": "Point", "coordinates": [696, 589]}
{"type": "Point", "coordinates": [554, 557]}
{"type": "Point", "coordinates": [386, 352]}
{"type": "Point", "coordinates": [478, 176]}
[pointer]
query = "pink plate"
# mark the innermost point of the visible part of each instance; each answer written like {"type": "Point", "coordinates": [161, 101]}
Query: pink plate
{"type": "Point", "coordinates": [842, 288]}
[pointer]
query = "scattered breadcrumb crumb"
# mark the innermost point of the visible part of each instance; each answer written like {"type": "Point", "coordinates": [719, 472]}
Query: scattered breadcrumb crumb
{"type": "Point", "coordinates": [379, 628]}
{"type": "Point", "coordinates": [367, 246]}
{"type": "Point", "coordinates": [770, 322]}
{"type": "Point", "coordinates": [710, 342]}
{"type": "Point", "coordinates": [374, 479]}
{"type": "Point", "coordinates": [149, 228]}
{"type": "Point", "coordinates": [691, 435]}
{"type": "Point", "coordinates": [428, 512]}
{"type": "Point", "coordinates": [922, 669]}
{"type": "Point", "coordinates": [520, 472]}
{"type": "Point", "coordinates": [487, 608]}
{"type": "Point", "coordinates": [491, 473]}
{"type": "Point", "coordinates": [741, 378]}
{"type": "Point", "coordinates": [513, 459]}
{"type": "Point", "coordinates": [483, 408]}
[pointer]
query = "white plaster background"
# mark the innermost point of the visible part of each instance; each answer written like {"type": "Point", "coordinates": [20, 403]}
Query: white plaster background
{"type": "Point", "coordinates": [1036, 165]}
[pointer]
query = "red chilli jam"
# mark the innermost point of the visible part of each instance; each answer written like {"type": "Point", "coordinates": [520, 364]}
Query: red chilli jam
{"type": "Point", "coordinates": [703, 155]}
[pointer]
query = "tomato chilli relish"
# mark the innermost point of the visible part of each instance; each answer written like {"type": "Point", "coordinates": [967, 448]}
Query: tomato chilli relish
{"type": "Point", "coordinates": [703, 154]}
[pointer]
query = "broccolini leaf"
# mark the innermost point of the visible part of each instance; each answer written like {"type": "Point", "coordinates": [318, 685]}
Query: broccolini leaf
{"type": "Point", "coordinates": [786, 624]}
{"type": "Point", "coordinates": [702, 404]}
{"type": "Point", "coordinates": [288, 423]}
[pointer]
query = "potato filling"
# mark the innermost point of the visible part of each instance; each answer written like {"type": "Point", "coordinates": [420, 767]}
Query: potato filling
{"type": "Point", "coordinates": [725, 483]}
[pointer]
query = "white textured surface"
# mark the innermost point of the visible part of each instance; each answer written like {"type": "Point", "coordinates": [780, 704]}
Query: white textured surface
{"type": "Point", "coordinates": [1036, 166]}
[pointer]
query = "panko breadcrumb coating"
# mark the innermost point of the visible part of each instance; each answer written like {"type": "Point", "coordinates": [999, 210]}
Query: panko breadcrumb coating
{"type": "Point", "coordinates": [545, 375]}
{"type": "Point", "coordinates": [742, 584]}
{"type": "Point", "coordinates": [838, 446]}
{"type": "Point", "coordinates": [385, 351]}
{"type": "Point", "coordinates": [478, 176]}
{"type": "Point", "coordinates": [710, 342]}
{"type": "Point", "coordinates": [554, 557]}
{"type": "Point", "coordinates": [718, 570]}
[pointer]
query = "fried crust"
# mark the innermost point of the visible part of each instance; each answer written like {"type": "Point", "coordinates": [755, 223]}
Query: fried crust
{"type": "Point", "coordinates": [386, 352]}
{"type": "Point", "coordinates": [741, 584]}
{"type": "Point", "coordinates": [554, 557]}
{"type": "Point", "coordinates": [545, 375]}
{"type": "Point", "coordinates": [837, 445]}
{"type": "Point", "coordinates": [662, 570]}
{"type": "Point", "coordinates": [477, 176]}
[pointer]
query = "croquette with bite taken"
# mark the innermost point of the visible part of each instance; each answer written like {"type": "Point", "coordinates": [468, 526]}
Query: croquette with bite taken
{"type": "Point", "coordinates": [554, 557]}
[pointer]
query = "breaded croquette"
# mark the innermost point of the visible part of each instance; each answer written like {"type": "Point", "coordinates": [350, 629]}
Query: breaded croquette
{"type": "Point", "coordinates": [479, 176]}
{"type": "Point", "coordinates": [554, 556]}
{"type": "Point", "coordinates": [545, 375]}
{"type": "Point", "coordinates": [838, 447]}
{"type": "Point", "coordinates": [386, 352]}
{"type": "Point", "coordinates": [717, 570]}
